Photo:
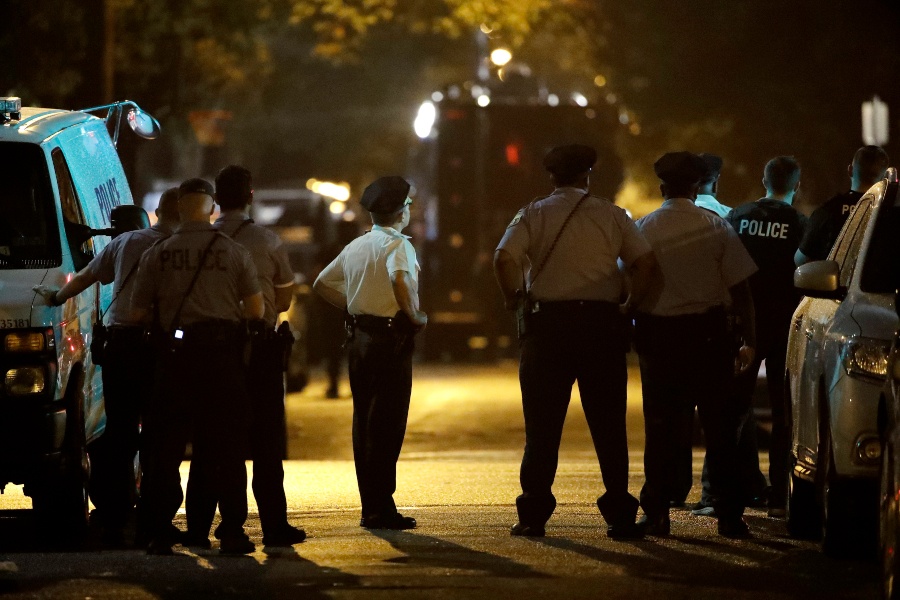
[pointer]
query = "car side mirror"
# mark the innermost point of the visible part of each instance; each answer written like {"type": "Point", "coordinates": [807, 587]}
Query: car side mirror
{"type": "Point", "coordinates": [820, 279]}
{"type": "Point", "coordinates": [124, 218]}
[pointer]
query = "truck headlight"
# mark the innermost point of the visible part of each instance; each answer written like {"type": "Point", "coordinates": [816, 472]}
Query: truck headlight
{"type": "Point", "coordinates": [31, 341]}
{"type": "Point", "coordinates": [867, 357]}
{"type": "Point", "coordinates": [24, 381]}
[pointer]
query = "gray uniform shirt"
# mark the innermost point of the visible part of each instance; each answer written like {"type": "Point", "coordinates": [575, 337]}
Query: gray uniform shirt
{"type": "Point", "coordinates": [167, 269]}
{"type": "Point", "coordinates": [584, 264]}
{"type": "Point", "coordinates": [700, 256]}
{"type": "Point", "coordinates": [115, 262]}
{"type": "Point", "coordinates": [269, 257]}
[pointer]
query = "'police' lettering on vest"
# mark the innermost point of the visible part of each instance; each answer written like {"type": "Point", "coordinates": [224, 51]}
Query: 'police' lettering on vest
{"type": "Point", "coordinates": [187, 260]}
{"type": "Point", "coordinates": [763, 229]}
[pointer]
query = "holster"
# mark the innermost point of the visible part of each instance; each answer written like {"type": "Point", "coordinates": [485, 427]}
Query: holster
{"type": "Point", "coordinates": [524, 309]}
{"type": "Point", "coordinates": [100, 335]}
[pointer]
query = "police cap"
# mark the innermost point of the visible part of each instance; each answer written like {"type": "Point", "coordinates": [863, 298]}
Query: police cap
{"type": "Point", "coordinates": [570, 160]}
{"type": "Point", "coordinates": [385, 195]}
{"type": "Point", "coordinates": [680, 168]}
{"type": "Point", "coordinates": [196, 185]}
{"type": "Point", "coordinates": [713, 166]}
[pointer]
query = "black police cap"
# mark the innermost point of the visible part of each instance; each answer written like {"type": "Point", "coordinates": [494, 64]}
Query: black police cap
{"type": "Point", "coordinates": [385, 195]}
{"type": "Point", "coordinates": [680, 168]}
{"type": "Point", "coordinates": [572, 159]}
{"type": "Point", "coordinates": [196, 185]}
{"type": "Point", "coordinates": [713, 166]}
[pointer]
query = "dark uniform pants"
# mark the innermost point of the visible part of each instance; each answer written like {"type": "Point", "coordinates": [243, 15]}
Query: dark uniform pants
{"type": "Point", "coordinates": [687, 361]}
{"type": "Point", "coordinates": [772, 329]}
{"type": "Point", "coordinates": [380, 369]}
{"type": "Point", "coordinates": [265, 383]}
{"type": "Point", "coordinates": [200, 395]}
{"type": "Point", "coordinates": [568, 342]}
{"type": "Point", "coordinates": [127, 383]}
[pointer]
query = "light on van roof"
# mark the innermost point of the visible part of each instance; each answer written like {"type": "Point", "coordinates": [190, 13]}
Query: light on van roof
{"type": "Point", "coordinates": [10, 106]}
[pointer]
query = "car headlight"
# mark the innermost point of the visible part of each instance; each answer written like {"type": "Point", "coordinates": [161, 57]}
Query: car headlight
{"type": "Point", "coordinates": [31, 341]}
{"type": "Point", "coordinates": [867, 357]}
{"type": "Point", "coordinates": [24, 381]}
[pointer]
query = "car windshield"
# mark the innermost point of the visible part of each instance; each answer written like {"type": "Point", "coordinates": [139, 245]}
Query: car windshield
{"type": "Point", "coordinates": [29, 237]}
{"type": "Point", "coordinates": [881, 270]}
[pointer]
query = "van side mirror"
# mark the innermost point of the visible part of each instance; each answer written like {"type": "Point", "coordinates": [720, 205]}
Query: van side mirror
{"type": "Point", "coordinates": [124, 218]}
{"type": "Point", "coordinates": [143, 123]}
{"type": "Point", "coordinates": [820, 279]}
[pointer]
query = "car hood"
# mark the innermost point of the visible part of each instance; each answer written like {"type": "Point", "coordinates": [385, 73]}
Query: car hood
{"type": "Point", "coordinates": [876, 317]}
{"type": "Point", "coordinates": [16, 293]}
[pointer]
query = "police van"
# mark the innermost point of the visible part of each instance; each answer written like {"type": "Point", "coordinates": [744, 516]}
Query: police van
{"type": "Point", "coordinates": [61, 187]}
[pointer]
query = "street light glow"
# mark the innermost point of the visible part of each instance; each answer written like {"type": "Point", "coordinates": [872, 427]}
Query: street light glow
{"type": "Point", "coordinates": [425, 119]}
{"type": "Point", "coordinates": [483, 100]}
{"type": "Point", "coordinates": [338, 191]}
{"type": "Point", "coordinates": [501, 56]}
{"type": "Point", "coordinates": [579, 99]}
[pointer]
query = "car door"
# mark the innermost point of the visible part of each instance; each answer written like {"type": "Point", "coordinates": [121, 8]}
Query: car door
{"type": "Point", "coordinates": [810, 327]}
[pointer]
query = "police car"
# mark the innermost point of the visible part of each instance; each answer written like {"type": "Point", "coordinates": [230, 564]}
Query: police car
{"type": "Point", "coordinates": [62, 180]}
{"type": "Point", "coordinates": [839, 343]}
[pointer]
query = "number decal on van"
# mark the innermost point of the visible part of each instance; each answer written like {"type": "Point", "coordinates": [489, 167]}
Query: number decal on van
{"type": "Point", "coordinates": [14, 323]}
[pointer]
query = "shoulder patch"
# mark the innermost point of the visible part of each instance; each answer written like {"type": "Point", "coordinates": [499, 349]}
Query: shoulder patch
{"type": "Point", "coordinates": [517, 218]}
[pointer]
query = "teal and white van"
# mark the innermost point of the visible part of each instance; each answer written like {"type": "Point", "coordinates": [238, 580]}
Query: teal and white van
{"type": "Point", "coordinates": [61, 181]}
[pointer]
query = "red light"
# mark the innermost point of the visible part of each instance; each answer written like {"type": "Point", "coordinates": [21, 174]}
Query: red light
{"type": "Point", "coordinates": [512, 154]}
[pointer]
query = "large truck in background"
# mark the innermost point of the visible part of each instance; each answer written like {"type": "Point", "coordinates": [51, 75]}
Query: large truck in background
{"type": "Point", "coordinates": [476, 166]}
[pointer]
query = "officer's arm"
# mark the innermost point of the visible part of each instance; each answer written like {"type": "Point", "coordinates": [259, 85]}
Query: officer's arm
{"type": "Point", "coordinates": [80, 282]}
{"type": "Point", "coordinates": [643, 272]}
{"type": "Point", "coordinates": [742, 302]}
{"type": "Point", "coordinates": [283, 297]}
{"type": "Point", "coordinates": [330, 295]}
{"type": "Point", "coordinates": [509, 276]}
{"type": "Point", "coordinates": [253, 306]}
{"type": "Point", "coordinates": [800, 258]}
{"type": "Point", "coordinates": [407, 297]}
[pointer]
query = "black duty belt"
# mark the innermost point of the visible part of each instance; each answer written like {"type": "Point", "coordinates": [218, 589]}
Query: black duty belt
{"type": "Point", "coordinates": [214, 329]}
{"type": "Point", "coordinates": [576, 306]}
{"type": "Point", "coordinates": [372, 323]}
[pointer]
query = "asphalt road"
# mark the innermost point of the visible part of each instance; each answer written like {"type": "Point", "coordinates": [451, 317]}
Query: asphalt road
{"type": "Point", "coordinates": [458, 476]}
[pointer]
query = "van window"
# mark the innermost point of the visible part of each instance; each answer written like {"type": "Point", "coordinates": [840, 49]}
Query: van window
{"type": "Point", "coordinates": [77, 230]}
{"type": "Point", "coordinates": [856, 232]}
{"type": "Point", "coordinates": [29, 237]}
{"type": "Point", "coordinates": [881, 270]}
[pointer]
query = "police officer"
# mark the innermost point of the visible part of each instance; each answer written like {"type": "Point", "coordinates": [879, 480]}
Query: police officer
{"type": "Point", "coordinates": [201, 285]}
{"type": "Point", "coordinates": [707, 195]}
{"type": "Point", "coordinates": [868, 167]}
{"type": "Point", "coordinates": [771, 230]}
{"type": "Point", "coordinates": [574, 331]}
{"type": "Point", "coordinates": [376, 279]}
{"type": "Point", "coordinates": [127, 367]}
{"type": "Point", "coordinates": [265, 375]}
{"type": "Point", "coordinates": [682, 339]}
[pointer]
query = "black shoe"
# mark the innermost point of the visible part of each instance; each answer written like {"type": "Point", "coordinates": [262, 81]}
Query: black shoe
{"type": "Point", "coordinates": [659, 526]}
{"type": "Point", "coordinates": [195, 540]}
{"type": "Point", "coordinates": [285, 536]}
{"type": "Point", "coordinates": [625, 531]}
{"type": "Point", "coordinates": [526, 530]}
{"type": "Point", "coordinates": [394, 521]}
{"type": "Point", "coordinates": [159, 547]}
{"type": "Point", "coordinates": [734, 528]}
{"type": "Point", "coordinates": [236, 545]}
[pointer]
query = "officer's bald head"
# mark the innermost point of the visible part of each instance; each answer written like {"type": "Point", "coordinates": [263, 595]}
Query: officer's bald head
{"type": "Point", "coordinates": [869, 165]}
{"type": "Point", "coordinates": [196, 200]}
{"type": "Point", "coordinates": [167, 211]}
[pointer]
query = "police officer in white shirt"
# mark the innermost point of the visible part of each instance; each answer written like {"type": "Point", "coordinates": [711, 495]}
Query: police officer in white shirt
{"type": "Point", "coordinates": [682, 338]}
{"type": "Point", "coordinates": [707, 195]}
{"type": "Point", "coordinates": [376, 279]}
{"type": "Point", "coordinates": [575, 332]}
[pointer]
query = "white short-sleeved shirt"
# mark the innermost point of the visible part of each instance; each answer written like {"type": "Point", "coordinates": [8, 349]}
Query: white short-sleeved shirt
{"type": "Point", "coordinates": [712, 203]}
{"type": "Point", "coordinates": [700, 256]}
{"type": "Point", "coordinates": [584, 263]}
{"type": "Point", "coordinates": [117, 262]}
{"type": "Point", "coordinates": [363, 269]}
{"type": "Point", "coordinates": [269, 256]}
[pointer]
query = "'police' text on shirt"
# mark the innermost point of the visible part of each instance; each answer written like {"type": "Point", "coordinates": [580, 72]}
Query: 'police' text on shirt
{"type": "Point", "coordinates": [763, 228]}
{"type": "Point", "coordinates": [188, 259]}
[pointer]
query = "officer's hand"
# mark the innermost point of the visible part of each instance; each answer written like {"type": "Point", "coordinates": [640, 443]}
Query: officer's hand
{"type": "Point", "coordinates": [744, 359]}
{"type": "Point", "coordinates": [46, 293]}
{"type": "Point", "coordinates": [420, 321]}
